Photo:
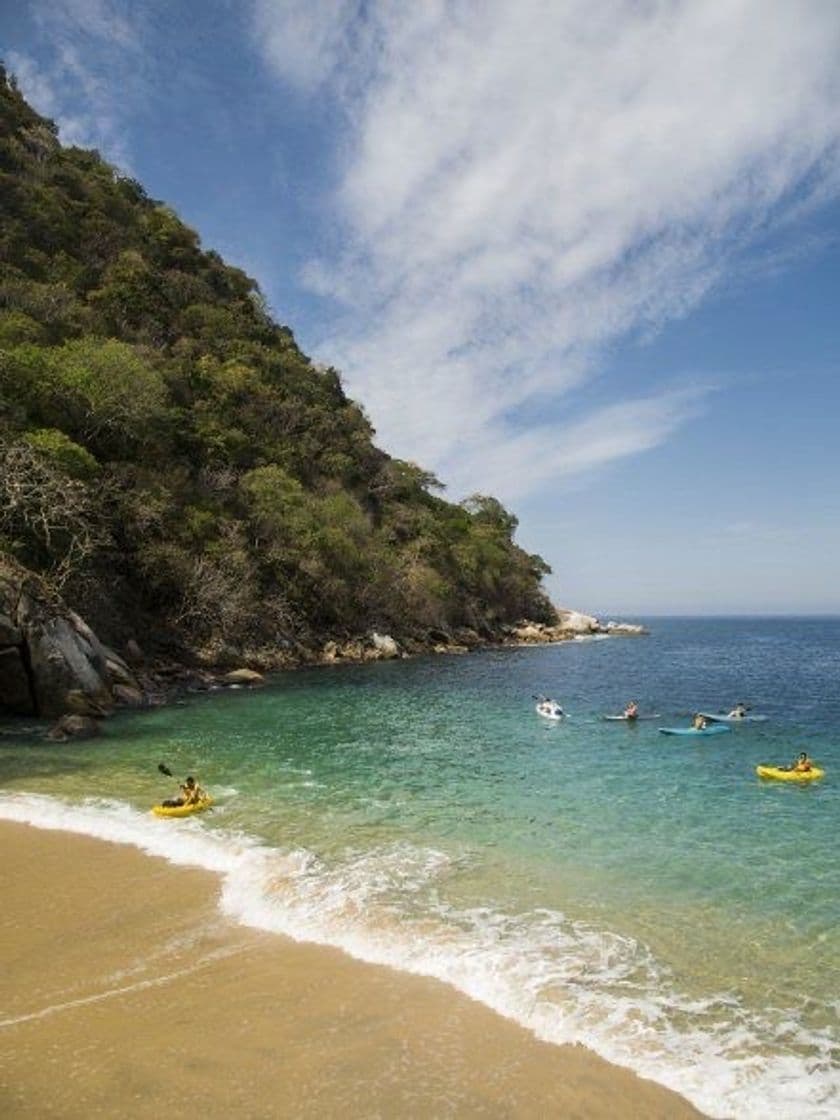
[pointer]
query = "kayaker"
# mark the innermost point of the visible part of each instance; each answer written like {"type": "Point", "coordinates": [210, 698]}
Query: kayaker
{"type": "Point", "coordinates": [699, 723]}
{"type": "Point", "coordinates": [738, 712]}
{"type": "Point", "coordinates": [191, 792]}
{"type": "Point", "coordinates": [632, 710]}
{"type": "Point", "coordinates": [803, 764]}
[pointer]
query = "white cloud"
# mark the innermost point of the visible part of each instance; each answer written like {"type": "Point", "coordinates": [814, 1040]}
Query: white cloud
{"type": "Point", "coordinates": [94, 47]}
{"type": "Point", "coordinates": [524, 184]}
{"type": "Point", "coordinates": [308, 40]}
{"type": "Point", "coordinates": [519, 462]}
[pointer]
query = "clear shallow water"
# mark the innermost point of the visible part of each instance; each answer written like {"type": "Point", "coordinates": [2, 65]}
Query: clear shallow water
{"type": "Point", "coordinates": [643, 894]}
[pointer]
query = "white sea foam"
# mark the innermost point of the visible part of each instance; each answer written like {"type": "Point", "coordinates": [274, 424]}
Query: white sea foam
{"type": "Point", "coordinates": [564, 980]}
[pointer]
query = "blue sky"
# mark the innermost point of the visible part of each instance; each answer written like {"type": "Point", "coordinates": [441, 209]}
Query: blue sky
{"type": "Point", "coordinates": [581, 256]}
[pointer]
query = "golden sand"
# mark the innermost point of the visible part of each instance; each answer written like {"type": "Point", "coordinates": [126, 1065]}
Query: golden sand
{"type": "Point", "coordinates": [124, 993]}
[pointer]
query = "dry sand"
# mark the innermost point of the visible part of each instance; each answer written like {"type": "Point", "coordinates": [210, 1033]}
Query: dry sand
{"type": "Point", "coordinates": [124, 993]}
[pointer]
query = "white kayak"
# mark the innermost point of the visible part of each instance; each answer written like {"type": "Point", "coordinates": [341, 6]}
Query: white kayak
{"type": "Point", "coordinates": [733, 719]}
{"type": "Point", "coordinates": [550, 709]}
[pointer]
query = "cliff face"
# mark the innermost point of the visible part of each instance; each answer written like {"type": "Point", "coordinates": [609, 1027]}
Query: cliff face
{"type": "Point", "coordinates": [176, 467]}
{"type": "Point", "coordinates": [51, 662]}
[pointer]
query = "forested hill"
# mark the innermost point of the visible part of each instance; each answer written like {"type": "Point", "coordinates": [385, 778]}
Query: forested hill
{"type": "Point", "coordinates": [175, 465]}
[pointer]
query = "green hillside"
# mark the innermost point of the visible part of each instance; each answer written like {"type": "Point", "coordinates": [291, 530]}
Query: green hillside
{"type": "Point", "coordinates": [175, 465]}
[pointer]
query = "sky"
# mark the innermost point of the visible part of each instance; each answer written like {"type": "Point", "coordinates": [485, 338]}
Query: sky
{"type": "Point", "coordinates": [583, 255]}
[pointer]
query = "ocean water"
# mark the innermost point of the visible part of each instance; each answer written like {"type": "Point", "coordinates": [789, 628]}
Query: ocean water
{"type": "Point", "coordinates": [598, 882]}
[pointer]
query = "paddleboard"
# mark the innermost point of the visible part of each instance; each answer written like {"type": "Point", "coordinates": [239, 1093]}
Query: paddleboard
{"type": "Point", "coordinates": [733, 719]}
{"type": "Point", "coordinates": [715, 729]}
{"type": "Point", "coordinates": [626, 719]}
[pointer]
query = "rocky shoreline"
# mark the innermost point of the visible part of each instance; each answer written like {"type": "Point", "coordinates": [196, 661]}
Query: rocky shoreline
{"type": "Point", "coordinates": [53, 666]}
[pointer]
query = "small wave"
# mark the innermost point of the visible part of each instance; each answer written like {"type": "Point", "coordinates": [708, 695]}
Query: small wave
{"type": "Point", "coordinates": [564, 980]}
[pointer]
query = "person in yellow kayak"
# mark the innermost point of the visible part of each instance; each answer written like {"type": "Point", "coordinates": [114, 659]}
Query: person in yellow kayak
{"type": "Point", "coordinates": [190, 794]}
{"type": "Point", "coordinates": [803, 764]}
{"type": "Point", "coordinates": [699, 723]}
{"type": "Point", "coordinates": [632, 710]}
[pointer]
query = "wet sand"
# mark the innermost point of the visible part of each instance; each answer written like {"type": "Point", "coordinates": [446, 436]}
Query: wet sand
{"type": "Point", "coordinates": [124, 993]}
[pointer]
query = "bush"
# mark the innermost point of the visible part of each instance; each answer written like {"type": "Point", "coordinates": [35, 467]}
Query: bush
{"type": "Point", "coordinates": [60, 450]}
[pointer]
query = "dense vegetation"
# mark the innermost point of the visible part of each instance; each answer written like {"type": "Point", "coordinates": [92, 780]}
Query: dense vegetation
{"type": "Point", "coordinates": [173, 462]}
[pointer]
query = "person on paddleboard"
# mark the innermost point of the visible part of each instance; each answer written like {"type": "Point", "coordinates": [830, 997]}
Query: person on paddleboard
{"type": "Point", "coordinates": [632, 710]}
{"type": "Point", "coordinates": [738, 712]}
{"type": "Point", "coordinates": [699, 723]}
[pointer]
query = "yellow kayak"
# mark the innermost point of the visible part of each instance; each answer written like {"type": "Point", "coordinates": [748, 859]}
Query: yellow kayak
{"type": "Point", "coordinates": [789, 775]}
{"type": "Point", "coordinates": [182, 810]}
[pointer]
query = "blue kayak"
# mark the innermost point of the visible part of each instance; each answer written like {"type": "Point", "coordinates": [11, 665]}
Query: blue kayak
{"type": "Point", "coordinates": [715, 729]}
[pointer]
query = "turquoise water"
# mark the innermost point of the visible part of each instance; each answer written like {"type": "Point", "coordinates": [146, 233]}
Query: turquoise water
{"type": "Point", "coordinates": [598, 882]}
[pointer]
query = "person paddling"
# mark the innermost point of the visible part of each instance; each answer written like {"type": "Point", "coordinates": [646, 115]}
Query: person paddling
{"type": "Point", "coordinates": [191, 794]}
{"type": "Point", "coordinates": [632, 710]}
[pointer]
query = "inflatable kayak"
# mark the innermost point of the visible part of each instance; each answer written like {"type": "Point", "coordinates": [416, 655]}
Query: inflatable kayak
{"type": "Point", "coordinates": [550, 709]}
{"type": "Point", "coordinates": [182, 810]}
{"type": "Point", "coordinates": [781, 775]}
{"type": "Point", "coordinates": [733, 719]}
{"type": "Point", "coordinates": [715, 729]}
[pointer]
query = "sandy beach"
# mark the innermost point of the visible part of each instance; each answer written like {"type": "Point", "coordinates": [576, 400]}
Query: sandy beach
{"type": "Point", "coordinates": [124, 992]}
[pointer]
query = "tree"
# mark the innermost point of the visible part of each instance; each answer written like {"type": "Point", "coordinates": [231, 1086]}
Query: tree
{"type": "Point", "coordinates": [107, 391]}
{"type": "Point", "coordinates": [48, 518]}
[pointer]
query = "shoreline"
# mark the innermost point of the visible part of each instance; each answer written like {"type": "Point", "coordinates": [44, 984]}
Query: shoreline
{"type": "Point", "coordinates": [165, 680]}
{"type": "Point", "coordinates": [125, 985]}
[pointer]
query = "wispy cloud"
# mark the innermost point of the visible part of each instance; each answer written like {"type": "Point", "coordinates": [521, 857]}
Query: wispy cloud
{"type": "Point", "coordinates": [524, 184]}
{"type": "Point", "coordinates": [91, 48]}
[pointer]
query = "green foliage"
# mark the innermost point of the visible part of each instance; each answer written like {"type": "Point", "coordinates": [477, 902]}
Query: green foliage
{"type": "Point", "coordinates": [59, 449]}
{"type": "Point", "coordinates": [17, 327]}
{"type": "Point", "coordinates": [164, 436]}
{"type": "Point", "coordinates": [110, 396]}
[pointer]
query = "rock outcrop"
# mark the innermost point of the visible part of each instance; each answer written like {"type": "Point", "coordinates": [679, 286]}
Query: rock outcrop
{"type": "Point", "coordinates": [74, 727]}
{"type": "Point", "coordinates": [365, 647]}
{"type": "Point", "coordinates": [249, 677]}
{"type": "Point", "coordinates": [51, 662]}
{"type": "Point", "coordinates": [575, 622]}
{"type": "Point", "coordinates": [628, 629]}
{"type": "Point", "coordinates": [571, 624]}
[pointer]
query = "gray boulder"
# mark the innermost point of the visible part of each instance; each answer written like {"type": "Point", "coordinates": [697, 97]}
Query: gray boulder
{"type": "Point", "coordinates": [74, 727]}
{"type": "Point", "coordinates": [51, 662]}
{"type": "Point", "coordinates": [385, 645]}
{"type": "Point", "coordinates": [248, 677]}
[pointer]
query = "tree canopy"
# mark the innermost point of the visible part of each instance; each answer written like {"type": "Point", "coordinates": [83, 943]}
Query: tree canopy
{"type": "Point", "coordinates": [173, 460]}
